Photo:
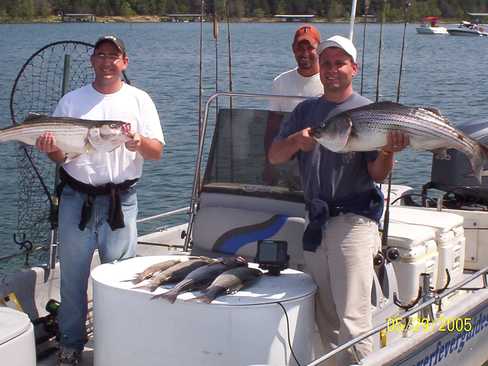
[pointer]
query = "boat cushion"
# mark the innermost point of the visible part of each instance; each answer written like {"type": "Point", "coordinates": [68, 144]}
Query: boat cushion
{"type": "Point", "coordinates": [224, 230]}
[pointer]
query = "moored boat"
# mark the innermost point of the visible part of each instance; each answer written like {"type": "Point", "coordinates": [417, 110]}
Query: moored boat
{"type": "Point", "coordinates": [468, 29]}
{"type": "Point", "coordinates": [429, 25]}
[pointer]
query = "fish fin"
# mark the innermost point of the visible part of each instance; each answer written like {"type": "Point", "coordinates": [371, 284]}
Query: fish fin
{"type": "Point", "coordinates": [438, 113]}
{"type": "Point", "coordinates": [168, 296]}
{"type": "Point", "coordinates": [34, 117]}
{"type": "Point", "coordinates": [202, 298]}
{"type": "Point", "coordinates": [71, 156]}
{"type": "Point", "coordinates": [434, 110]}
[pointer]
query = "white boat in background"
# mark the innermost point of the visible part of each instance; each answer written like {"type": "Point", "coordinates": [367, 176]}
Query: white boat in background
{"type": "Point", "coordinates": [430, 25]}
{"type": "Point", "coordinates": [468, 29]}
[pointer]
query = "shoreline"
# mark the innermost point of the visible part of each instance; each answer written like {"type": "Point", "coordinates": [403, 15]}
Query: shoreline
{"type": "Point", "coordinates": [164, 19]}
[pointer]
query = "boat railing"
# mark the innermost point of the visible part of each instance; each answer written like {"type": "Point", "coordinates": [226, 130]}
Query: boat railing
{"type": "Point", "coordinates": [27, 248]}
{"type": "Point", "coordinates": [163, 215]}
{"type": "Point", "coordinates": [435, 299]}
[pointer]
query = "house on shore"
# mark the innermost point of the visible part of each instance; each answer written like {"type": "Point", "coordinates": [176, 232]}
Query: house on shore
{"type": "Point", "coordinates": [77, 18]}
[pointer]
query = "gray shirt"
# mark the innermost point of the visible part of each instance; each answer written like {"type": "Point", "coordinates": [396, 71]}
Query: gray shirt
{"type": "Point", "coordinates": [325, 174]}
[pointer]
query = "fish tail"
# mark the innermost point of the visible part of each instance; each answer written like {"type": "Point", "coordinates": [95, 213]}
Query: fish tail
{"type": "Point", "coordinates": [205, 298]}
{"type": "Point", "coordinates": [169, 296]}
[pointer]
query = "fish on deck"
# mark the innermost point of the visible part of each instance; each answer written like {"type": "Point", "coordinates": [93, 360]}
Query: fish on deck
{"type": "Point", "coordinates": [366, 129]}
{"type": "Point", "coordinates": [152, 270]}
{"type": "Point", "coordinates": [230, 281]}
{"type": "Point", "coordinates": [174, 273]}
{"type": "Point", "coordinates": [202, 277]}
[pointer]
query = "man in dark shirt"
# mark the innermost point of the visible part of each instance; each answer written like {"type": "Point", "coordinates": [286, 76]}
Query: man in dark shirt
{"type": "Point", "coordinates": [342, 200]}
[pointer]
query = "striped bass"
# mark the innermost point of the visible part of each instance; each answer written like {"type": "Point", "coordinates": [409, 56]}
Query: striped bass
{"type": "Point", "coordinates": [230, 281]}
{"type": "Point", "coordinates": [202, 277]}
{"type": "Point", "coordinates": [74, 136]}
{"type": "Point", "coordinates": [366, 129]}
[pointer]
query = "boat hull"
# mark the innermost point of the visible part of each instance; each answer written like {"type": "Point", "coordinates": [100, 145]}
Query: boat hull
{"type": "Point", "coordinates": [432, 30]}
{"type": "Point", "coordinates": [467, 33]}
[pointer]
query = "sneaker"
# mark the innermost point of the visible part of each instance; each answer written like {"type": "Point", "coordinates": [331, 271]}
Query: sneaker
{"type": "Point", "coordinates": [68, 356]}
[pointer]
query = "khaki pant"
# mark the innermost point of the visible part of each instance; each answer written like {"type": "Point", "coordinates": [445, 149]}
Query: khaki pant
{"type": "Point", "coordinates": [342, 268]}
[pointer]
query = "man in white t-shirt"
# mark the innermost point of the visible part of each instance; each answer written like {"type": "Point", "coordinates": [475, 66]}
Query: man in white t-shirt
{"type": "Point", "coordinates": [303, 80]}
{"type": "Point", "coordinates": [98, 204]}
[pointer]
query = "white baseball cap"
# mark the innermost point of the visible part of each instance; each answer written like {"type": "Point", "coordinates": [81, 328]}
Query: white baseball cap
{"type": "Point", "coordinates": [340, 42]}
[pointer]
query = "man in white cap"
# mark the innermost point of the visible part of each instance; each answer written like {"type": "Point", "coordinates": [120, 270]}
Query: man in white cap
{"type": "Point", "coordinates": [344, 205]}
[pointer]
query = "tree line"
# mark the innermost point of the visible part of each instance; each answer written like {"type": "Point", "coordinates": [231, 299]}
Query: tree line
{"type": "Point", "coordinates": [331, 9]}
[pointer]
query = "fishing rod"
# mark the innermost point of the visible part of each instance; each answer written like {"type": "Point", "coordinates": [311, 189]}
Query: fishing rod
{"type": "Point", "coordinates": [386, 221]}
{"type": "Point", "coordinates": [366, 11]}
{"type": "Point", "coordinates": [380, 48]}
{"type": "Point", "coordinates": [229, 51]}
{"type": "Point", "coordinates": [353, 19]}
{"type": "Point", "coordinates": [216, 39]}
{"type": "Point", "coordinates": [200, 75]}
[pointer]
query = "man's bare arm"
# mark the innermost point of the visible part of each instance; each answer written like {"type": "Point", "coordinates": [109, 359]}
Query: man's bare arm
{"type": "Point", "coordinates": [283, 150]}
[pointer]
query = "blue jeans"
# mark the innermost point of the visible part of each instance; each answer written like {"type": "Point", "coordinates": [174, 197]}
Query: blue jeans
{"type": "Point", "coordinates": [76, 251]}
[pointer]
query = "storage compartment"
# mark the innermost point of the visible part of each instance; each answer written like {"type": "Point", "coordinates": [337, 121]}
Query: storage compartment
{"type": "Point", "coordinates": [476, 233]}
{"type": "Point", "coordinates": [17, 346]}
{"type": "Point", "coordinates": [449, 236]}
{"type": "Point", "coordinates": [418, 254]}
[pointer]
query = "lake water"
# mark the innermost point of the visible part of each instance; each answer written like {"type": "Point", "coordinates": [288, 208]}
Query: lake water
{"type": "Point", "coordinates": [442, 71]}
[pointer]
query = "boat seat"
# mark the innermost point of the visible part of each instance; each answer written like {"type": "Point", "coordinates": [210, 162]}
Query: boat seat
{"type": "Point", "coordinates": [236, 231]}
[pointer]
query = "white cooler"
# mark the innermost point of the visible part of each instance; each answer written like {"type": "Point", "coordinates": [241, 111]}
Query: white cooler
{"type": "Point", "coordinates": [245, 328]}
{"type": "Point", "coordinates": [17, 345]}
{"type": "Point", "coordinates": [449, 235]}
{"type": "Point", "coordinates": [418, 254]}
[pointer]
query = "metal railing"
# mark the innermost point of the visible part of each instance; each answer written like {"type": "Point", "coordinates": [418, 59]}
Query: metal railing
{"type": "Point", "coordinates": [436, 299]}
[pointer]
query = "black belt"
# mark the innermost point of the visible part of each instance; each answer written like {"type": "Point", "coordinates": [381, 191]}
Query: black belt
{"type": "Point", "coordinates": [115, 214]}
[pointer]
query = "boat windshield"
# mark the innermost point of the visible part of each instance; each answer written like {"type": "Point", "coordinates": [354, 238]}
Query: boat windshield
{"type": "Point", "coordinates": [237, 161]}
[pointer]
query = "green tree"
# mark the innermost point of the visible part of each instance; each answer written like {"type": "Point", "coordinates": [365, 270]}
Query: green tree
{"type": "Point", "coordinates": [126, 10]}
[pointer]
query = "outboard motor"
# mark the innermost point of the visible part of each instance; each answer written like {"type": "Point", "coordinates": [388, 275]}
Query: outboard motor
{"type": "Point", "coordinates": [453, 174]}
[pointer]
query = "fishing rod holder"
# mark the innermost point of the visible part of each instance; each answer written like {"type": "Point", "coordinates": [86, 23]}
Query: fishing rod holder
{"type": "Point", "coordinates": [427, 295]}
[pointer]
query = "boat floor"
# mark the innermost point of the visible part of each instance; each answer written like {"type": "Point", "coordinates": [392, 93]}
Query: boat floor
{"type": "Point", "coordinates": [88, 352]}
{"type": "Point", "coordinates": [51, 358]}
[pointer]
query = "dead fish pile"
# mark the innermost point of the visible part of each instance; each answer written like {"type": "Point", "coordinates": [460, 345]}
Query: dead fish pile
{"type": "Point", "coordinates": [73, 135]}
{"type": "Point", "coordinates": [215, 277]}
{"type": "Point", "coordinates": [202, 277]}
{"type": "Point", "coordinates": [366, 129]}
{"type": "Point", "coordinates": [152, 270]}
{"type": "Point", "coordinates": [175, 273]}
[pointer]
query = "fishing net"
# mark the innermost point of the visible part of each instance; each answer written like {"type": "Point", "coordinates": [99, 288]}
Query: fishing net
{"type": "Point", "coordinates": [56, 68]}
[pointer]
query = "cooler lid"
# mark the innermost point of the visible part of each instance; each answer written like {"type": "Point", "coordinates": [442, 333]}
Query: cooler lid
{"type": "Point", "coordinates": [407, 236]}
{"type": "Point", "coordinates": [13, 323]}
{"type": "Point", "coordinates": [290, 285]}
{"type": "Point", "coordinates": [443, 221]}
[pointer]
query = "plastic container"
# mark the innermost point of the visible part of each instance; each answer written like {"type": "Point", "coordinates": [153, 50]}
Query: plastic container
{"type": "Point", "coordinates": [17, 345]}
{"type": "Point", "coordinates": [245, 328]}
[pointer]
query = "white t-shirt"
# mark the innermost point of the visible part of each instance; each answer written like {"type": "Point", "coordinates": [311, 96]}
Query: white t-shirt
{"type": "Point", "coordinates": [292, 83]}
{"type": "Point", "coordinates": [129, 104]}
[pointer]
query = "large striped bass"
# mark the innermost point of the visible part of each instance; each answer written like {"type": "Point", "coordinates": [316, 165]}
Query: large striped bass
{"type": "Point", "coordinates": [74, 136]}
{"type": "Point", "coordinates": [366, 129]}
